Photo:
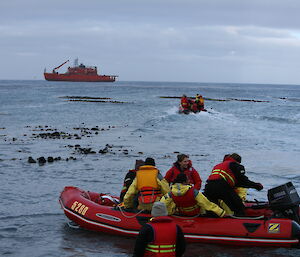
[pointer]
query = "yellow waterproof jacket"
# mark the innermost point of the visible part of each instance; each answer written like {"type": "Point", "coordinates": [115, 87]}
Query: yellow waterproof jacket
{"type": "Point", "coordinates": [204, 204]}
{"type": "Point", "coordinates": [143, 179]}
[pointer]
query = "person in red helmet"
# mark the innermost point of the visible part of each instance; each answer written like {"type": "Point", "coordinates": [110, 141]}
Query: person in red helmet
{"type": "Point", "coordinates": [223, 180]}
{"type": "Point", "coordinates": [184, 165]}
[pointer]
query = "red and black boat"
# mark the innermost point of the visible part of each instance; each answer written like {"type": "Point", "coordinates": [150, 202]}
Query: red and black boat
{"type": "Point", "coordinates": [78, 73]}
{"type": "Point", "coordinates": [274, 223]}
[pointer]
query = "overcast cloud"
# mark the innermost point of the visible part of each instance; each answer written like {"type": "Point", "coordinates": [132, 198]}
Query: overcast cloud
{"type": "Point", "coordinates": [243, 41]}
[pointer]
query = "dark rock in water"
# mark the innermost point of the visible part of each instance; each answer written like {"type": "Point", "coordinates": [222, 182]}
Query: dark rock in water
{"type": "Point", "coordinates": [50, 159]}
{"type": "Point", "coordinates": [31, 160]}
{"type": "Point", "coordinates": [57, 158]}
{"type": "Point", "coordinates": [104, 150]}
{"type": "Point", "coordinates": [41, 160]}
{"type": "Point", "coordinates": [85, 150]}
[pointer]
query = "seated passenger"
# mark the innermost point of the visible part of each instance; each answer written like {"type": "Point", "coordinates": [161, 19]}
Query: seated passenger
{"type": "Point", "coordinates": [184, 165]}
{"type": "Point", "coordinates": [223, 180]}
{"type": "Point", "coordinates": [194, 107]}
{"type": "Point", "coordinates": [149, 185]}
{"type": "Point", "coordinates": [160, 236]}
{"type": "Point", "coordinates": [187, 201]}
{"type": "Point", "coordinates": [130, 176]}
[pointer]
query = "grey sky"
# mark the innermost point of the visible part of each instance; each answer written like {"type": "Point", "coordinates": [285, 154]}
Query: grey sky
{"type": "Point", "coordinates": [248, 41]}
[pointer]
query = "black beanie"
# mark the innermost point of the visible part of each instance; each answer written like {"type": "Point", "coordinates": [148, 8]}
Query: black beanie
{"type": "Point", "coordinates": [181, 178]}
{"type": "Point", "coordinates": [150, 161]}
{"type": "Point", "coordinates": [237, 157]}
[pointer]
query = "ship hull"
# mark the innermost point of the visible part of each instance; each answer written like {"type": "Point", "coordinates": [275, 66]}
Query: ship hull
{"type": "Point", "coordinates": [79, 77]}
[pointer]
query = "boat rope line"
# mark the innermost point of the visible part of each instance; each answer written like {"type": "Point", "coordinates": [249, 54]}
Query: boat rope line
{"type": "Point", "coordinates": [189, 236]}
{"type": "Point", "coordinates": [126, 216]}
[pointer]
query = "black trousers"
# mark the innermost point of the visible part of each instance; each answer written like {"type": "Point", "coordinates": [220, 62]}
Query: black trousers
{"type": "Point", "coordinates": [220, 189]}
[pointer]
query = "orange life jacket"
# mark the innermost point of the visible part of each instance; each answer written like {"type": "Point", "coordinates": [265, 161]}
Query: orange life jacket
{"type": "Point", "coordinates": [223, 171]}
{"type": "Point", "coordinates": [186, 204]}
{"type": "Point", "coordinates": [147, 184]}
{"type": "Point", "coordinates": [165, 235]}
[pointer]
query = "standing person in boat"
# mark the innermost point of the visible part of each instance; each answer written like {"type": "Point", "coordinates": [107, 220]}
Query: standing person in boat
{"type": "Point", "coordinates": [130, 176]}
{"type": "Point", "coordinates": [185, 104]}
{"type": "Point", "coordinates": [224, 178]}
{"type": "Point", "coordinates": [184, 165]}
{"type": "Point", "coordinates": [200, 102]}
{"type": "Point", "coordinates": [149, 185]}
{"type": "Point", "coordinates": [188, 201]}
{"type": "Point", "coordinates": [161, 236]}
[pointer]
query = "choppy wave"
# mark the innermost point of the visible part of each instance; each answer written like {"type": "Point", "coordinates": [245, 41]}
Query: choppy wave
{"type": "Point", "coordinates": [293, 120]}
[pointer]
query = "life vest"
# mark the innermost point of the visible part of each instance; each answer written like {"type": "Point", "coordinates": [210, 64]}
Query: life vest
{"type": "Point", "coordinates": [164, 239]}
{"type": "Point", "coordinates": [147, 184]}
{"type": "Point", "coordinates": [223, 171]}
{"type": "Point", "coordinates": [185, 103]}
{"type": "Point", "coordinates": [201, 100]}
{"type": "Point", "coordinates": [186, 204]}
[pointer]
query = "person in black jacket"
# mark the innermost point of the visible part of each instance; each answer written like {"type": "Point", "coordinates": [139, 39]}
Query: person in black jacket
{"type": "Point", "coordinates": [225, 177]}
{"type": "Point", "coordinates": [166, 231]}
{"type": "Point", "coordinates": [130, 176]}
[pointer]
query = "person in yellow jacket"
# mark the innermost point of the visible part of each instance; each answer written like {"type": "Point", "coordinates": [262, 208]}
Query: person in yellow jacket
{"type": "Point", "coordinates": [184, 199]}
{"type": "Point", "coordinates": [149, 185]}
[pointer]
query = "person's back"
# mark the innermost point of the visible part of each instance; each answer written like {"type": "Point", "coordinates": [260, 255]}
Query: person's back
{"type": "Point", "coordinates": [223, 180]}
{"type": "Point", "coordinates": [161, 236]}
{"type": "Point", "coordinates": [149, 186]}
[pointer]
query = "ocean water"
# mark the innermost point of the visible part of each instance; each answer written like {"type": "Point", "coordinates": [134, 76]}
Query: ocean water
{"type": "Point", "coordinates": [134, 123]}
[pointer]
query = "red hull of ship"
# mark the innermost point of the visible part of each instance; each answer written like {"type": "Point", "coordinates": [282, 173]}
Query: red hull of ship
{"type": "Point", "coordinates": [79, 77]}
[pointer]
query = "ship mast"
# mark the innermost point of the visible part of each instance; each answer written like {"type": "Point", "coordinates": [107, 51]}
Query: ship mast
{"type": "Point", "coordinates": [76, 62]}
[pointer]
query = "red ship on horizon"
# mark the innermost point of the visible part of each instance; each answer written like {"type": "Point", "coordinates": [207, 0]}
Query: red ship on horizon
{"type": "Point", "coordinates": [78, 73]}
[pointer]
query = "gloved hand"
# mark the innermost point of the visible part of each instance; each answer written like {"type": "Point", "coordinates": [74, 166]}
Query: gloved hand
{"type": "Point", "coordinates": [259, 186]}
{"type": "Point", "coordinates": [121, 204]}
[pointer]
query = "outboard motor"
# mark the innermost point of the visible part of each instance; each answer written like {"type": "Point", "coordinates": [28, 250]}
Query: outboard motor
{"type": "Point", "coordinates": [284, 201]}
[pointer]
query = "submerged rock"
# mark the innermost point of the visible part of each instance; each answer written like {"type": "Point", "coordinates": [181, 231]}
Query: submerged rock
{"type": "Point", "coordinates": [31, 160]}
